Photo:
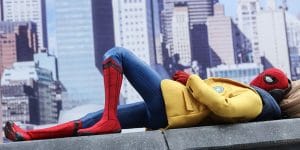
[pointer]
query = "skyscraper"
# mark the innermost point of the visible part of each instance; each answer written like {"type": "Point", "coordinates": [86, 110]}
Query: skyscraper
{"type": "Point", "coordinates": [293, 35]}
{"type": "Point", "coordinates": [1, 12]}
{"type": "Point", "coordinates": [181, 33]}
{"type": "Point", "coordinates": [8, 50]}
{"type": "Point", "coordinates": [198, 11]}
{"type": "Point", "coordinates": [81, 41]}
{"type": "Point", "coordinates": [247, 23]}
{"type": "Point", "coordinates": [135, 28]}
{"type": "Point", "coordinates": [244, 72]}
{"type": "Point", "coordinates": [17, 42]}
{"type": "Point", "coordinates": [272, 38]}
{"type": "Point", "coordinates": [26, 83]}
{"type": "Point", "coordinates": [28, 10]}
{"type": "Point", "coordinates": [47, 61]}
{"type": "Point", "coordinates": [222, 38]}
{"type": "Point", "coordinates": [19, 103]}
{"type": "Point", "coordinates": [103, 27]}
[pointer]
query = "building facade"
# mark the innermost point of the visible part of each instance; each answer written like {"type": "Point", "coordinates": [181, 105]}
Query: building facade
{"type": "Point", "coordinates": [19, 103]}
{"type": "Point", "coordinates": [222, 37]}
{"type": "Point", "coordinates": [103, 27]}
{"type": "Point", "coordinates": [293, 35]}
{"type": "Point", "coordinates": [272, 36]}
{"type": "Point", "coordinates": [181, 34]}
{"type": "Point", "coordinates": [1, 10]}
{"type": "Point", "coordinates": [17, 42]}
{"type": "Point", "coordinates": [247, 23]}
{"type": "Point", "coordinates": [198, 11]}
{"type": "Point", "coordinates": [76, 51]}
{"type": "Point", "coordinates": [47, 61]}
{"type": "Point", "coordinates": [244, 73]}
{"type": "Point", "coordinates": [28, 10]}
{"type": "Point", "coordinates": [135, 29]}
{"type": "Point", "coordinates": [40, 93]}
{"type": "Point", "coordinates": [8, 50]}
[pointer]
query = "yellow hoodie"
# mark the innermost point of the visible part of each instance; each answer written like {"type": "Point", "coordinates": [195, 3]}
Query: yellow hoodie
{"type": "Point", "coordinates": [220, 99]}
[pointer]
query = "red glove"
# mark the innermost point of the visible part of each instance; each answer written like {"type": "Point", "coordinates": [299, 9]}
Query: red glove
{"type": "Point", "coordinates": [181, 76]}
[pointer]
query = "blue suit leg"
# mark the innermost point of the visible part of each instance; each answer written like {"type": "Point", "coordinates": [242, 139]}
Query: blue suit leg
{"type": "Point", "coordinates": [130, 116]}
{"type": "Point", "coordinates": [146, 81]}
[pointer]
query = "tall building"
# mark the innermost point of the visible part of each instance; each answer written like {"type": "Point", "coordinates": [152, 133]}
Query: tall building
{"type": "Point", "coordinates": [17, 42]}
{"type": "Point", "coordinates": [8, 50]}
{"type": "Point", "coordinates": [28, 10]}
{"type": "Point", "coordinates": [181, 33]}
{"type": "Point", "coordinates": [1, 10]}
{"type": "Point", "coordinates": [38, 83]}
{"type": "Point", "coordinates": [103, 27]}
{"type": "Point", "coordinates": [198, 11]}
{"type": "Point", "coordinates": [80, 43]}
{"type": "Point", "coordinates": [243, 51]}
{"type": "Point", "coordinates": [272, 36]}
{"type": "Point", "coordinates": [47, 61]}
{"type": "Point", "coordinates": [244, 73]}
{"type": "Point", "coordinates": [247, 23]}
{"type": "Point", "coordinates": [135, 29]}
{"type": "Point", "coordinates": [293, 35]}
{"type": "Point", "coordinates": [19, 103]}
{"type": "Point", "coordinates": [222, 37]}
{"type": "Point", "coordinates": [159, 51]}
{"type": "Point", "coordinates": [156, 9]}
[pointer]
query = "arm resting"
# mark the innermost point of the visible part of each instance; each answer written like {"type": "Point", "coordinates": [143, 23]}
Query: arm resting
{"type": "Point", "coordinates": [247, 104]}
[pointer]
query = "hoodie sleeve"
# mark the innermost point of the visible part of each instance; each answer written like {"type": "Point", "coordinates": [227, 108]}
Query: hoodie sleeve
{"type": "Point", "coordinates": [247, 104]}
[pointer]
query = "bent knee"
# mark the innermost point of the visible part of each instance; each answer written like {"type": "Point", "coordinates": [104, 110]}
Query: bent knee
{"type": "Point", "coordinates": [114, 52]}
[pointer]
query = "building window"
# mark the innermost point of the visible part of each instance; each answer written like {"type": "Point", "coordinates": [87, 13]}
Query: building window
{"type": "Point", "coordinates": [244, 7]}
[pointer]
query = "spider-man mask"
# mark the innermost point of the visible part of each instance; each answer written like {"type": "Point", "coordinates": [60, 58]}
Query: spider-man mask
{"type": "Point", "coordinates": [273, 81]}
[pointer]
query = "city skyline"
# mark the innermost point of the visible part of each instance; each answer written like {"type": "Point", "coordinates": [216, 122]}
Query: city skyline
{"type": "Point", "coordinates": [230, 10]}
{"type": "Point", "coordinates": [18, 42]}
{"type": "Point", "coordinates": [194, 36]}
{"type": "Point", "coordinates": [198, 11]}
{"type": "Point", "coordinates": [52, 24]}
{"type": "Point", "coordinates": [231, 5]}
{"type": "Point", "coordinates": [35, 11]}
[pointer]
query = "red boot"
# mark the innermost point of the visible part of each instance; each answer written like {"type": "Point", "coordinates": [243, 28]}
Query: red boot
{"type": "Point", "coordinates": [15, 133]}
{"type": "Point", "coordinates": [109, 123]}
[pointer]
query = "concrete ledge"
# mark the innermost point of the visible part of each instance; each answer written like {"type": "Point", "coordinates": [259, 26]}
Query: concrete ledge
{"type": "Point", "coordinates": [280, 134]}
{"type": "Point", "coordinates": [126, 141]}
{"type": "Point", "coordinates": [269, 134]}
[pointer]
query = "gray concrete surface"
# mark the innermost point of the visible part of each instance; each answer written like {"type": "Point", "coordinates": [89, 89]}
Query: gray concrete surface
{"type": "Point", "coordinates": [126, 141]}
{"type": "Point", "coordinates": [246, 135]}
{"type": "Point", "coordinates": [280, 134]}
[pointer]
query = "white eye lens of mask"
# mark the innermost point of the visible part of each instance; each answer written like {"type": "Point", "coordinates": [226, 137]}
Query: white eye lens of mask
{"type": "Point", "coordinates": [269, 79]}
